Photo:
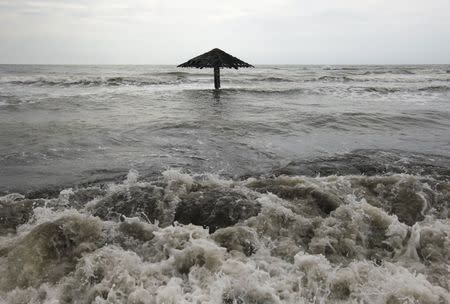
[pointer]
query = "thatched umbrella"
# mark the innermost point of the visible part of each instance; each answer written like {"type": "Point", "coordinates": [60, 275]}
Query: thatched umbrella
{"type": "Point", "coordinates": [215, 59]}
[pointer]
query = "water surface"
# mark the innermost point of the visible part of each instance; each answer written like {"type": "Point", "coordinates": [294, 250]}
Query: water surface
{"type": "Point", "coordinates": [293, 184]}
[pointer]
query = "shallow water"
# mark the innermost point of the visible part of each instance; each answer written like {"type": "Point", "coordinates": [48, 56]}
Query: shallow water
{"type": "Point", "coordinates": [72, 123]}
{"type": "Point", "coordinates": [294, 184]}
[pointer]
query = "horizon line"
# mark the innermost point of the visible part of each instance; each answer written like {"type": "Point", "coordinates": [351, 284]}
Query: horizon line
{"type": "Point", "coordinates": [259, 64]}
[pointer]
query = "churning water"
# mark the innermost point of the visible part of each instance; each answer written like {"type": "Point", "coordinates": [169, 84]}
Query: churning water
{"type": "Point", "coordinates": [293, 184]}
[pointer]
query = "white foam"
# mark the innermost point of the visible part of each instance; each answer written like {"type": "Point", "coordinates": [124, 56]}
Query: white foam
{"type": "Point", "coordinates": [356, 253]}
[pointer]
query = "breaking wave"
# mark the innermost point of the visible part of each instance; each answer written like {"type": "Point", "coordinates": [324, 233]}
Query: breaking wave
{"type": "Point", "coordinates": [138, 80]}
{"type": "Point", "coordinates": [342, 69]}
{"type": "Point", "coordinates": [380, 90]}
{"type": "Point", "coordinates": [335, 78]}
{"type": "Point", "coordinates": [394, 72]}
{"type": "Point", "coordinates": [435, 89]}
{"type": "Point", "coordinates": [181, 74]}
{"type": "Point", "coordinates": [273, 79]}
{"type": "Point", "coordinates": [184, 238]}
{"type": "Point", "coordinates": [380, 71]}
{"type": "Point", "coordinates": [112, 81]}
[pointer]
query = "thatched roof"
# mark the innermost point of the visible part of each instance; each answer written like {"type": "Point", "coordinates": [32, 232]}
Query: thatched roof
{"type": "Point", "coordinates": [215, 59]}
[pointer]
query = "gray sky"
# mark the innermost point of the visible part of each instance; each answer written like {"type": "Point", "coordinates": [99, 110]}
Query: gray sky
{"type": "Point", "coordinates": [257, 31]}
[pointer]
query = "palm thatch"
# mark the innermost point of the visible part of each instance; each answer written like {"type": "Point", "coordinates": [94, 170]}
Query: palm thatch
{"type": "Point", "coordinates": [215, 58]}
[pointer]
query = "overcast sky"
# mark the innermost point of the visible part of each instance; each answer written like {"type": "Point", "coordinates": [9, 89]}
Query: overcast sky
{"type": "Point", "coordinates": [257, 31]}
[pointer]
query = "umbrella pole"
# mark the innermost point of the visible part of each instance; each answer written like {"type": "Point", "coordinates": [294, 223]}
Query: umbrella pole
{"type": "Point", "coordinates": [217, 78]}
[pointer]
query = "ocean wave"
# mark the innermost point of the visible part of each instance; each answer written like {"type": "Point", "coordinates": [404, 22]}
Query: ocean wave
{"type": "Point", "coordinates": [394, 72]}
{"type": "Point", "coordinates": [253, 91]}
{"type": "Point", "coordinates": [334, 78]}
{"type": "Point", "coordinates": [371, 162]}
{"type": "Point", "coordinates": [390, 90]}
{"type": "Point", "coordinates": [11, 100]}
{"type": "Point", "coordinates": [92, 82]}
{"type": "Point", "coordinates": [181, 74]}
{"type": "Point", "coordinates": [273, 79]}
{"type": "Point", "coordinates": [435, 89]}
{"type": "Point", "coordinates": [364, 71]}
{"type": "Point", "coordinates": [202, 238]}
{"type": "Point", "coordinates": [374, 121]}
{"type": "Point", "coordinates": [266, 91]}
{"type": "Point", "coordinates": [342, 69]}
{"type": "Point", "coordinates": [381, 90]}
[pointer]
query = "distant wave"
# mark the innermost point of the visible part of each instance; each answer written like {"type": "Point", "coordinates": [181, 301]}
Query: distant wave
{"type": "Point", "coordinates": [180, 74]}
{"type": "Point", "coordinates": [388, 90]}
{"type": "Point", "coordinates": [112, 81]}
{"type": "Point", "coordinates": [341, 69]}
{"type": "Point", "coordinates": [7, 100]}
{"type": "Point", "coordinates": [395, 72]}
{"type": "Point", "coordinates": [376, 121]}
{"type": "Point", "coordinates": [145, 79]}
{"type": "Point", "coordinates": [265, 91]}
{"type": "Point", "coordinates": [325, 91]}
{"type": "Point", "coordinates": [435, 89]}
{"type": "Point", "coordinates": [335, 78]}
{"type": "Point", "coordinates": [381, 90]}
{"type": "Point", "coordinates": [374, 71]}
{"type": "Point", "coordinates": [273, 79]}
{"type": "Point", "coordinates": [329, 78]}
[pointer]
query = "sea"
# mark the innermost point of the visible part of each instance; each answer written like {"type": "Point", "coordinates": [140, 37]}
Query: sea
{"type": "Point", "coordinates": [141, 184]}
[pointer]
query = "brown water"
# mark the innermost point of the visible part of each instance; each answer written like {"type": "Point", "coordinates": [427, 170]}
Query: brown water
{"type": "Point", "coordinates": [294, 184]}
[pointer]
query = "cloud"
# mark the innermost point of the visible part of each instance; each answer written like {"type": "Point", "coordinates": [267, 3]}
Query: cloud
{"type": "Point", "coordinates": [270, 31]}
